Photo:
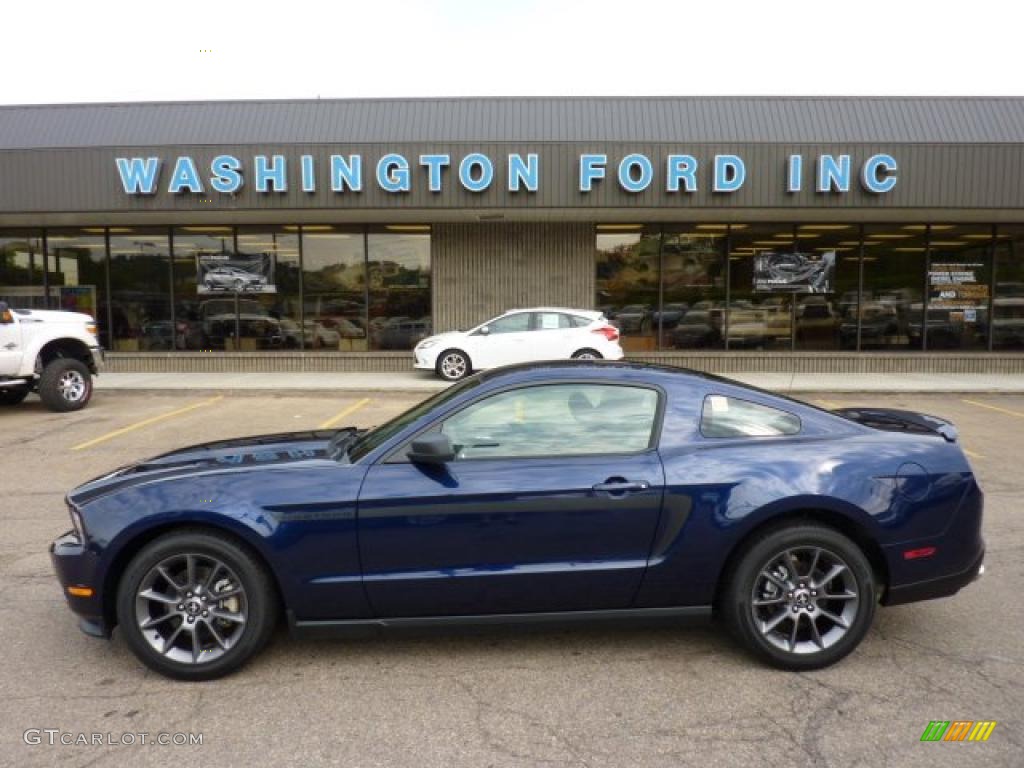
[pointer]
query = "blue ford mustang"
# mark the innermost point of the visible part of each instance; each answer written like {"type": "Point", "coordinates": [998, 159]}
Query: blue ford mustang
{"type": "Point", "coordinates": [568, 491]}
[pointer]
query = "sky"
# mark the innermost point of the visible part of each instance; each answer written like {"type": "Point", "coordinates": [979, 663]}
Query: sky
{"type": "Point", "coordinates": [166, 50]}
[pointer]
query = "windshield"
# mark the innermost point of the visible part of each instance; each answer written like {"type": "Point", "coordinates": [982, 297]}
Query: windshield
{"type": "Point", "coordinates": [385, 432]}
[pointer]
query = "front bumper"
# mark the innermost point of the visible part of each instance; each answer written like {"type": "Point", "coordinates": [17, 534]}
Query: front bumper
{"type": "Point", "coordinates": [75, 566]}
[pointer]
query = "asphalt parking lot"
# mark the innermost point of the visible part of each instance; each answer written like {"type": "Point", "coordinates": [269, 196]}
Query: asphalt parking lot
{"type": "Point", "coordinates": [611, 696]}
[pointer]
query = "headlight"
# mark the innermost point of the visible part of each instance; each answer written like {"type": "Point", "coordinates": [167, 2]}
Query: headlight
{"type": "Point", "coordinates": [76, 523]}
{"type": "Point", "coordinates": [426, 344]}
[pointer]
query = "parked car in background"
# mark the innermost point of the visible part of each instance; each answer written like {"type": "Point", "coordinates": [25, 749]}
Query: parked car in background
{"type": "Point", "coordinates": [403, 333]}
{"type": "Point", "coordinates": [519, 336]}
{"type": "Point", "coordinates": [313, 335]}
{"type": "Point", "coordinates": [879, 326]}
{"type": "Point", "coordinates": [556, 492]}
{"type": "Point", "coordinates": [699, 328]}
{"type": "Point", "coordinates": [669, 316]}
{"type": "Point", "coordinates": [633, 318]}
{"type": "Point", "coordinates": [220, 319]}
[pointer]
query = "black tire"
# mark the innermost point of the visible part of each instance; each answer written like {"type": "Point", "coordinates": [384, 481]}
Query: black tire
{"type": "Point", "coordinates": [453, 364]}
{"type": "Point", "coordinates": [259, 595]}
{"type": "Point", "coordinates": [65, 385]}
{"type": "Point", "coordinates": [826, 642]}
{"type": "Point", "coordinates": [587, 354]}
{"type": "Point", "coordinates": [13, 395]}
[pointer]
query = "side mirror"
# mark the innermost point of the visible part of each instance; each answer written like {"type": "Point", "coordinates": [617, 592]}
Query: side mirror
{"type": "Point", "coordinates": [484, 331]}
{"type": "Point", "coordinates": [434, 448]}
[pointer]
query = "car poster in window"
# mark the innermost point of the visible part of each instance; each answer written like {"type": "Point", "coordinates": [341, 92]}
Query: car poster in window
{"type": "Point", "coordinates": [794, 272]}
{"type": "Point", "coordinates": [235, 273]}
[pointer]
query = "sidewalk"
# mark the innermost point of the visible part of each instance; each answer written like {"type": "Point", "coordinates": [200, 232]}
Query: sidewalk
{"type": "Point", "coordinates": [425, 383]}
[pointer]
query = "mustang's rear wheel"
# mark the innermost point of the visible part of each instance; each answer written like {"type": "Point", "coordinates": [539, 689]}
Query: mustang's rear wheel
{"type": "Point", "coordinates": [801, 597]}
{"type": "Point", "coordinates": [195, 605]}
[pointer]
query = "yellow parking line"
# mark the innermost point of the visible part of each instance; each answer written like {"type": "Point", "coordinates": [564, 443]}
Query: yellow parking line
{"type": "Point", "coordinates": [145, 423]}
{"type": "Point", "coordinates": [972, 454]}
{"type": "Point", "coordinates": [343, 413]}
{"type": "Point", "coordinates": [1018, 414]}
{"type": "Point", "coordinates": [829, 403]}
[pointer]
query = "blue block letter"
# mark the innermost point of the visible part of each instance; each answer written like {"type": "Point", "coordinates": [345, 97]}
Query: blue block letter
{"type": "Point", "coordinates": [185, 177]}
{"type": "Point", "coordinates": [346, 173]}
{"type": "Point", "coordinates": [681, 168]}
{"type": "Point", "coordinates": [138, 175]}
{"type": "Point", "coordinates": [226, 174]}
{"type": "Point", "coordinates": [591, 168]}
{"type": "Point", "coordinates": [434, 165]}
{"type": "Point", "coordinates": [276, 174]}
{"type": "Point", "coordinates": [730, 173]}
{"type": "Point", "coordinates": [834, 173]}
{"type": "Point", "coordinates": [525, 173]}
{"type": "Point", "coordinates": [879, 173]}
{"type": "Point", "coordinates": [393, 173]}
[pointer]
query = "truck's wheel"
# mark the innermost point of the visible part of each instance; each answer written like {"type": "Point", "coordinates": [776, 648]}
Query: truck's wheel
{"type": "Point", "coordinates": [13, 395]}
{"type": "Point", "coordinates": [65, 385]}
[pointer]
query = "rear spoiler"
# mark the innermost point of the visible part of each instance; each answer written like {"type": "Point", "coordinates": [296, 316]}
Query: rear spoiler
{"type": "Point", "coordinates": [893, 420]}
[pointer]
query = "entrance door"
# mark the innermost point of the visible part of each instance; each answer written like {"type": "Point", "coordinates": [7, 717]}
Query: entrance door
{"type": "Point", "coordinates": [551, 504]}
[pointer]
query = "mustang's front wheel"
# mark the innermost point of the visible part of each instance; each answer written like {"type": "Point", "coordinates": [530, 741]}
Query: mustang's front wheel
{"type": "Point", "coordinates": [801, 597]}
{"type": "Point", "coordinates": [195, 605]}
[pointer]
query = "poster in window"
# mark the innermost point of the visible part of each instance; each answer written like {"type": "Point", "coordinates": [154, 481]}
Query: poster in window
{"type": "Point", "coordinates": [954, 287]}
{"type": "Point", "coordinates": [794, 272]}
{"type": "Point", "coordinates": [235, 273]}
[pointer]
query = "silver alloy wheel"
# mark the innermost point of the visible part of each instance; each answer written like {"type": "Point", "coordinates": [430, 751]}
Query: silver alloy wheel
{"type": "Point", "coordinates": [453, 365]}
{"type": "Point", "coordinates": [72, 386]}
{"type": "Point", "coordinates": [586, 356]}
{"type": "Point", "coordinates": [191, 608]}
{"type": "Point", "coordinates": [804, 600]}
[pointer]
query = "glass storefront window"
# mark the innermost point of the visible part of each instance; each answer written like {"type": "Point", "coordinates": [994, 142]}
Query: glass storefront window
{"type": "Point", "coordinates": [692, 314]}
{"type": "Point", "coordinates": [140, 290]}
{"type": "Point", "coordinates": [826, 317]}
{"type": "Point", "coordinates": [398, 275]}
{"type": "Point", "coordinates": [334, 287]}
{"type": "Point", "coordinates": [892, 300]}
{"type": "Point", "coordinates": [77, 266]}
{"type": "Point", "coordinates": [1008, 303]}
{"type": "Point", "coordinates": [21, 268]}
{"type": "Point", "coordinates": [628, 280]}
{"type": "Point", "coordinates": [199, 325]}
{"type": "Point", "coordinates": [959, 281]}
{"type": "Point", "coordinates": [761, 308]}
{"type": "Point", "coordinates": [272, 317]}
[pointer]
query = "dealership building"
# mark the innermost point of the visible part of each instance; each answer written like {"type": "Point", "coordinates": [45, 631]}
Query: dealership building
{"type": "Point", "coordinates": [771, 234]}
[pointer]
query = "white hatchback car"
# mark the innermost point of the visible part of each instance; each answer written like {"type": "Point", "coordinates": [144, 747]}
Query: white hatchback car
{"type": "Point", "coordinates": [520, 336]}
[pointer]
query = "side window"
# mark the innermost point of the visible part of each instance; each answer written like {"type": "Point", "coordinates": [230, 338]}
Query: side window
{"type": "Point", "coordinates": [550, 321]}
{"type": "Point", "coordinates": [555, 419]}
{"type": "Point", "coordinates": [579, 322]}
{"type": "Point", "coordinates": [731, 417]}
{"type": "Point", "coordinates": [511, 323]}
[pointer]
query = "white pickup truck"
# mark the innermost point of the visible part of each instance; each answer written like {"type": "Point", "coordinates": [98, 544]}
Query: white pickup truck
{"type": "Point", "coordinates": [54, 353]}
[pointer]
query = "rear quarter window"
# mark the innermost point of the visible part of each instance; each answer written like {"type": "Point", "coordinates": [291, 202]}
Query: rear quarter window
{"type": "Point", "coordinates": [724, 416]}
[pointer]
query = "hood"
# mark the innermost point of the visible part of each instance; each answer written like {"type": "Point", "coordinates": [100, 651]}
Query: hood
{"type": "Point", "coordinates": [441, 337]}
{"type": "Point", "coordinates": [248, 452]}
{"type": "Point", "coordinates": [51, 316]}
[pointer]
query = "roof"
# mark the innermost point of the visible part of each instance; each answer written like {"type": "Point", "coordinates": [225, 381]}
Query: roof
{"type": "Point", "coordinates": [970, 120]}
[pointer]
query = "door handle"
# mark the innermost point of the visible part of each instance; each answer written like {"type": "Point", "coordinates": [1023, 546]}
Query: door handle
{"type": "Point", "coordinates": [618, 485]}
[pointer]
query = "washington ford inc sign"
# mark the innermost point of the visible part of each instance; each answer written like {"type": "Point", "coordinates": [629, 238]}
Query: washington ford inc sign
{"type": "Point", "coordinates": [475, 172]}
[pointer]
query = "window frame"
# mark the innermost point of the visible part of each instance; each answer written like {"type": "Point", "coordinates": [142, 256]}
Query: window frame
{"type": "Point", "coordinates": [397, 454]}
{"type": "Point", "coordinates": [704, 436]}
